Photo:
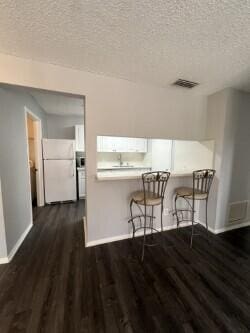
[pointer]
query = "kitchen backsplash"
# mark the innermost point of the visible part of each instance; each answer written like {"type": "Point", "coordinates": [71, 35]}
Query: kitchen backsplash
{"type": "Point", "coordinates": [107, 160]}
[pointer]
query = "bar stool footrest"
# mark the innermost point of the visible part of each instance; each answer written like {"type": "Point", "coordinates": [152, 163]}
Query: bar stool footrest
{"type": "Point", "coordinates": [175, 212]}
{"type": "Point", "coordinates": [139, 216]}
{"type": "Point", "coordinates": [187, 220]}
{"type": "Point", "coordinates": [147, 227]}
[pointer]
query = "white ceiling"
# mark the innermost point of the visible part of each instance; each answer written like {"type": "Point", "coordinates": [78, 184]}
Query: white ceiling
{"type": "Point", "coordinates": [59, 104]}
{"type": "Point", "coordinates": [158, 41]}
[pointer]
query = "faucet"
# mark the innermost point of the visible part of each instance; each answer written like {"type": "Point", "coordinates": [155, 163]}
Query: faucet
{"type": "Point", "coordinates": [120, 159]}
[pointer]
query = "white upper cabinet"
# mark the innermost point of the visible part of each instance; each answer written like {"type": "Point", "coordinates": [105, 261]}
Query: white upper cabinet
{"type": "Point", "coordinates": [121, 144]}
{"type": "Point", "coordinates": [79, 137]}
{"type": "Point", "coordinates": [141, 145]}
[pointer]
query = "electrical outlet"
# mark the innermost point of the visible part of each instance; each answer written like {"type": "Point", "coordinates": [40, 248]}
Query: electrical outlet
{"type": "Point", "coordinates": [166, 211]}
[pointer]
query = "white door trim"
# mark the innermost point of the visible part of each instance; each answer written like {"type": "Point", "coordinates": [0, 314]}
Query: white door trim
{"type": "Point", "coordinates": [38, 155]}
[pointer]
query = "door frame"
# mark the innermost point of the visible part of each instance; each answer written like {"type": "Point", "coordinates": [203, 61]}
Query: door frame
{"type": "Point", "coordinates": [38, 155]}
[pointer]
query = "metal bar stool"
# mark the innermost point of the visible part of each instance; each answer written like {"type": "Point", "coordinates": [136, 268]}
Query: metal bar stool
{"type": "Point", "coordinates": [154, 187]}
{"type": "Point", "coordinates": [202, 181]}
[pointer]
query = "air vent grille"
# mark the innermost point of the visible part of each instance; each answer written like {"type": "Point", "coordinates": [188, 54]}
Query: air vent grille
{"type": "Point", "coordinates": [238, 211]}
{"type": "Point", "coordinates": [185, 83]}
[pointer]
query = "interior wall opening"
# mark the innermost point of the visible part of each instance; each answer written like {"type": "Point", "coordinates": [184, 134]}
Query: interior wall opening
{"type": "Point", "coordinates": [46, 155]}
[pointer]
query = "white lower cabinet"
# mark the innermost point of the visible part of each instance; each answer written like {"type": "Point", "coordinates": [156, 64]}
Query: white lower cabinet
{"type": "Point", "coordinates": [81, 184]}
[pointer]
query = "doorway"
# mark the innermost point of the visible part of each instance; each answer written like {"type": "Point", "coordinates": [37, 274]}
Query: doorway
{"type": "Point", "coordinates": [34, 154]}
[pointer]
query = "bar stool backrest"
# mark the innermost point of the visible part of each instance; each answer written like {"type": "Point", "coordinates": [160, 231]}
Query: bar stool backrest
{"type": "Point", "coordinates": [202, 180]}
{"type": "Point", "coordinates": [155, 183]}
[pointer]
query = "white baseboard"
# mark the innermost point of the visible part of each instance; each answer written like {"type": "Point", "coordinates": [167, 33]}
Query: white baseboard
{"type": "Point", "coordinates": [4, 260]}
{"type": "Point", "coordinates": [227, 227]}
{"type": "Point", "coordinates": [127, 236]}
{"type": "Point", "coordinates": [19, 242]}
{"type": "Point", "coordinates": [232, 227]}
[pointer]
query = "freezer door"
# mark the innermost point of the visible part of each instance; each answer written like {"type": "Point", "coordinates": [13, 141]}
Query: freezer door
{"type": "Point", "coordinates": [58, 149]}
{"type": "Point", "coordinates": [59, 180]}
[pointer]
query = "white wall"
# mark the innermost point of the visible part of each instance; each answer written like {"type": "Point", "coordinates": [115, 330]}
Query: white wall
{"type": "Point", "coordinates": [62, 127]}
{"type": "Point", "coordinates": [161, 154]}
{"type": "Point", "coordinates": [14, 170]}
{"type": "Point", "coordinates": [192, 155]}
{"type": "Point", "coordinates": [113, 107]}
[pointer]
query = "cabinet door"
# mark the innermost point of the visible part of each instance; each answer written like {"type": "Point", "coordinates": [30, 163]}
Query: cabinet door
{"type": "Point", "coordinates": [141, 145]}
{"type": "Point", "coordinates": [107, 144]}
{"type": "Point", "coordinates": [122, 145]}
{"type": "Point", "coordinates": [111, 144]}
{"type": "Point", "coordinates": [79, 135]}
{"type": "Point", "coordinates": [131, 145]}
{"type": "Point", "coordinates": [81, 187]}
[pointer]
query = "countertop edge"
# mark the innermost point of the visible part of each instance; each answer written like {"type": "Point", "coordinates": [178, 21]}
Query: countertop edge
{"type": "Point", "coordinates": [110, 178]}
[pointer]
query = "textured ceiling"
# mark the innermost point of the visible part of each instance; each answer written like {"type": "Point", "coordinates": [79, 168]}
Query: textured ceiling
{"type": "Point", "coordinates": [156, 42]}
{"type": "Point", "coordinates": [58, 104]}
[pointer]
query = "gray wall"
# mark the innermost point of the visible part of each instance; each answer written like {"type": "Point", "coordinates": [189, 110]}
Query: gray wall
{"type": "Point", "coordinates": [227, 156]}
{"type": "Point", "coordinates": [228, 120]}
{"type": "Point", "coordinates": [3, 247]}
{"type": "Point", "coordinates": [13, 161]}
{"type": "Point", "coordinates": [62, 127]}
{"type": "Point", "coordinates": [240, 186]}
{"type": "Point", "coordinates": [219, 114]}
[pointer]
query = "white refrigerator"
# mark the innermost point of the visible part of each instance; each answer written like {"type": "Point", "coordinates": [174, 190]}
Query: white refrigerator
{"type": "Point", "coordinates": [59, 170]}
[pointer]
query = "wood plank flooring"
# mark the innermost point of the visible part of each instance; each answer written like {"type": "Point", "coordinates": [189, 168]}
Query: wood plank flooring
{"type": "Point", "coordinates": [55, 284]}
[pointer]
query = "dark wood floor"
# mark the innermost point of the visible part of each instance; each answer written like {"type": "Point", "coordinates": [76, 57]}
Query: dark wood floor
{"type": "Point", "coordinates": [54, 284]}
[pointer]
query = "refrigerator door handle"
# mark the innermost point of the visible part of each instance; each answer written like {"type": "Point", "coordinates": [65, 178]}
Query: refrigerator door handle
{"type": "Point", "coordinates": [73, 169]}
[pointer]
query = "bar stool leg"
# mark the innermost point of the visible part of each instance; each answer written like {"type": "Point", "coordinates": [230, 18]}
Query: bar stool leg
{"type": "Point", "coordinates": [206, 221]}
{"type": "Point", "coordinates": [152, 217]}
{"type": "Point", "coordinates": [161, 216]}
{"type": "Point", "coordinates": [192, 234]}
{"type": "Point", "coordinates": [144, 235]}
{"type": "Point", "coordinates": [175, 208]}
{"type": "Point", "coordinates": [131, 215]}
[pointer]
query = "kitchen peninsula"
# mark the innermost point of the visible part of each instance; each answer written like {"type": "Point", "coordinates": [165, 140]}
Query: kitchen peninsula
{"type": "Point", "coordinates": [122, 158]}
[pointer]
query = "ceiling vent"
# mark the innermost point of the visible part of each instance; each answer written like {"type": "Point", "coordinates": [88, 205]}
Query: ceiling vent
{"type": "Point", "coordinates": [185, 83]}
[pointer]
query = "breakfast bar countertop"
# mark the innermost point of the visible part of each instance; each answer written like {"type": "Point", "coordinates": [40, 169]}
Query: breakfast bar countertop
{"type": "Point", "coordinates": [131, 175]}
{"type": "Point", "coordinates": [123, 167]}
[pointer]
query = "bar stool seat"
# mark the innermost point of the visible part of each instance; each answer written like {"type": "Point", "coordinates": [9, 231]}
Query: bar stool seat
{"type": "Point", "coordinates": [151, 198]}
{"type": "Point", "coordinates": [187, 192]}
